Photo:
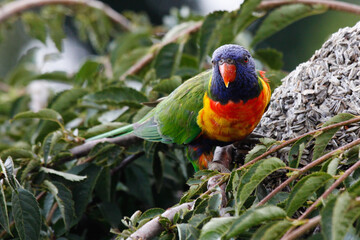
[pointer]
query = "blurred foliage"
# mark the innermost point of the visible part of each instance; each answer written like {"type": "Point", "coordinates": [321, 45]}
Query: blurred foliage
{"type": "Point", "coordinates": [47, 195]}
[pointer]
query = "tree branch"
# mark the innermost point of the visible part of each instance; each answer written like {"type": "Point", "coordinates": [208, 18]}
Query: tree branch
{"type": "Point", "coordinates": [153, 228]}
{"type": "Point", "coordinates": [288, 142]}
{"type": "Point", "coordinates": [84, 149]}
{"type": "Point", "coordinates": [303, 229]}
{"type": "Point", "coordinates": [308, 167]}
{"type": "Point", "coordinates": [19, 6]}
{"type": "Point", "coordinates": [334, 5]}
{"type": "Point", "coordinates": [155, 48]}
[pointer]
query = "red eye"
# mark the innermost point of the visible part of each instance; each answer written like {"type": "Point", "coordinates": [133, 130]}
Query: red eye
{"type": "Point", "coordinates": [246, 59]}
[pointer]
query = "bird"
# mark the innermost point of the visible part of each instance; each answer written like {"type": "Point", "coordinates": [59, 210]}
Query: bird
{"type": "Point", "coordinates": [214, 108]}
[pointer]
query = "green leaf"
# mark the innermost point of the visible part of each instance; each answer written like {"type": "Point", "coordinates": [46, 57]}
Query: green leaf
{"type": "Point", "coordinates": [245, 16]}
{"type": "Point", "coordinates": [296, 151]}
{"type": "Point", "coordinates": [67, 99]}
{"type": "Point", "coordinates": [254, 217]}
{"type": "Point", "coordinates": [167, 60]}
{"type": "Point", "coordinates": [275, 78]}
{"type": "Point", "coordinates": [216, 228]}
{"type": "Point", "coordinates": [118, 96]}
{"type": "Point", "coordinates": [64, 200]}
{"type": "Point", "coordinates": [111, 213]}
{"type": "Point", "coordinates": [338, 216]}
{"type": "Point", "coordinates": [67, 176]}
{"type": "Point", "coordinates": [255, 152]}
{"type": "Point", "coordinates": [8, 170]}
{"type": "Point", "coordinates": [207, 39]}
{"type": "Point", "coordinates": [187, 232]}
{"type": "Point", "coordinates": [254, 176]}
{"type": "Point", "coordinates": [270, 57]}
{"type": "Point", "coordinates": [26, 214]}
{"type": "Point", "coordinates": [284, 16]}
{"type": "Point", "coordinates": [83, 190]}
{"type": "Point", "coordinates": [45, 114]}
{"type": "Point", "coordinates": [49, 142]}
{"type": "Point", "coordinates": [4, 216]}
{"type": "Point", "coordinates": [88, 72]}
{"type": "Point", "coordinates": [32, 165]}
{"type": "Point", "coordinates": [35, 25]}
{"type": "Point", "coordinates": [272, 230]}
{"type": "Point", "coordinates": [322, 140]}
{"type": "Point", "coordinates": [55, 17]}
{"type": "Point", "coordinates": [151, 213]}
{"type": "Point", "coordinates": [168, 85]}
{"type": "Point", "coordinates": [305, 188]}
{"type": "Point", "coordinates": [103, 185]}
{"type": "Point", "coordinates": [17, 153]}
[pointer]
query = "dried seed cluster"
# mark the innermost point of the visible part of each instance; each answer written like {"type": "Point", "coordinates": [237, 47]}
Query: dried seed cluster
{"type": "Point", "coordinates": [327, 84]}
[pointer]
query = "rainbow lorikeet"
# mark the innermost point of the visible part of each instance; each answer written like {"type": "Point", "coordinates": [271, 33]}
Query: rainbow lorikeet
{"type": "Point", "coordinates": [214, 108]}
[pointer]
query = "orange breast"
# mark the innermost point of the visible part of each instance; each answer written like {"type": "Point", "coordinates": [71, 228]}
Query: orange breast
{"type": "Point", "coordinates": [232, 121]}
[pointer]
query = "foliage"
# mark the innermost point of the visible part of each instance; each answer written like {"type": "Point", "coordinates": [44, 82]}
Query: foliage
{"type": "Point", "coordinates": [46, 193]}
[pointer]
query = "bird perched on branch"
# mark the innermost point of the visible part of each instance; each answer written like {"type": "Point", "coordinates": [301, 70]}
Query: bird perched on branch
{"type": "Point", "coordinates": [214, 108]}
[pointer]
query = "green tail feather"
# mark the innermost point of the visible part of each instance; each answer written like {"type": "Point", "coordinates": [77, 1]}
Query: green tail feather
{"type": "Point", "coordinates": [119, 131]}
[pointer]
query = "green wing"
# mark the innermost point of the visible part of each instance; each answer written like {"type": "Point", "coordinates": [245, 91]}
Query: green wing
{"type": "Point", "coordinates": [174, 119]}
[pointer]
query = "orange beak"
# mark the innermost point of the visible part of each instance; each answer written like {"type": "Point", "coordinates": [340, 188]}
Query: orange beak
{"type": "Point", "coordinates": [228, 73]}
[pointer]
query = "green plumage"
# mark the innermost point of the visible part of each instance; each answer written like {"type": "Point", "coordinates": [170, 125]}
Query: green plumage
{"type": "Point", "coordinates": [174, 119]}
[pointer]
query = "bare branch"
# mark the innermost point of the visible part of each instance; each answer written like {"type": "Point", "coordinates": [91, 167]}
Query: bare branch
{"type": "Point", "coordinates": [153, 228]}
{"type": "Point", "coordinates": [19, 6]}
{"type": "Point", "coordinates": [334, 5]}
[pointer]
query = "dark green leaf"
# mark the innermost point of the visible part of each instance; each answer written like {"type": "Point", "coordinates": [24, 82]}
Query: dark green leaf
{"type": "Point", "coordinates": [254, 217]}
{"type": "Point", "coordinates": [111, 213]}
{"type": "Point", "coordinates": [35, 25]}
{"type": "Point", "coordinates": [187, 232]}
{"type": "Point", "coordinates": [67, 99]}
{"type": "Point", "coordinates": [246, 14]}
{"type": "Point", "coordinates": [338, 216]}
{"type": "Point", "coordinates": [275, 78]}
{"type": "Point", "coordinates": [167, 60]}
{"type": "Point", "coordinates": [17, 153]}
{"type": "Point", "coordinates": [26, 214]}
{"type": "Point", "coordinates": [255, 152]}
{"type": "Point", "coordinates": [88, 72]}
{"type": "Point", "coordinates": [45, 114]}
{"type": "Point", "coordinates": [272, 230]}
{"type": "Point", "coordinates": [296, 151]}
{"type": "Point", "coordinates": [254, 176]}
{"type": "Point", "coordinates": [305, 188]}
{"type": "Point", "coordinates": [83, 190]}
{"type": "Point", "coordinates": [8, 170]}
{"type": "Point", "coordinates": [49, 142]}
{"type": "Point", "coordinates": [118, 96]}
{"type": "Point", "coordinates": [270, 57]}
{"type": "Point", "coordinates": [103, 185]}
{"type": "Point", "coordinates": [322, 140]}
{"type": "Point", "coordinates": [4, 216]}
{"type": "Point", "coordinates": [64, 200]}
{"type": "Point", "coordinates": [208, 37]}
{"type": "Point", "coordinates": [151, 213]}
{"type": "Point", "coordinates": [284, 16]}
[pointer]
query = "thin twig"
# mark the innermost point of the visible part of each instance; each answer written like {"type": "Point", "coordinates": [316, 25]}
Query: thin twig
{"type": "Point", "coordinates": [51, 213]}
{"type": "Point", "coordinates": [127, 161]}
{"type": "Point", "coordinates": [313, 222]}
{"type": "Point", "coordinates": [288, 142]}
{"type": "Point", "coordinates": [323, 196]}
{"type": "Point", "coordinates": [308, 167]}
{"type": "Point", "coordinates": [333, 5]}
{"type": "Point", "coordinates": [16, 7]}
{"type": "Point", "coordinates": [330, 189]}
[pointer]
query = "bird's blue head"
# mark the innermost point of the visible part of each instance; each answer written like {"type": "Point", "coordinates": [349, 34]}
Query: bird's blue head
{"type": "Point", "coordinates": [234, 77]}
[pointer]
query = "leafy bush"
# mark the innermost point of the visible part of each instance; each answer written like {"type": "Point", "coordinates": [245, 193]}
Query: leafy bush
{"type": "Point", "coordinates": [55, 186]}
